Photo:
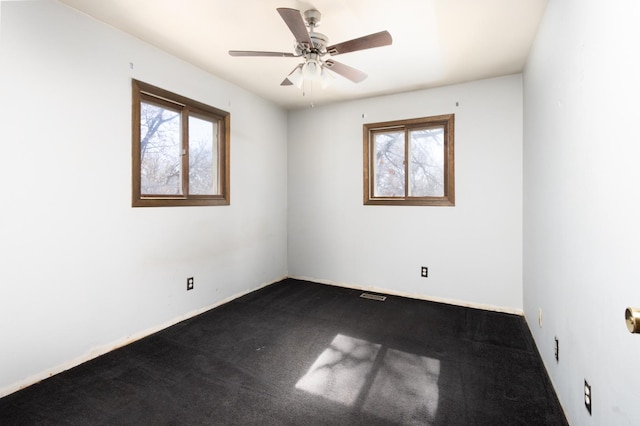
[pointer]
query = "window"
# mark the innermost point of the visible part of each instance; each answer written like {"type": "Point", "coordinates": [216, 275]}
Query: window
{"type": "Point", "coordinates": [409, 162]}
{"type": "Point", "coordinates": [180, 150]}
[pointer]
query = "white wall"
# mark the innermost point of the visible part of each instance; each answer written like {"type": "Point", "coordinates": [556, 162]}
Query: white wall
{"type": "Point", "coordinates": [581, 203]}
{"type": "Point", "coordinates": [473, 250]}
{"type": "Point", "coordinates": [83, 271]}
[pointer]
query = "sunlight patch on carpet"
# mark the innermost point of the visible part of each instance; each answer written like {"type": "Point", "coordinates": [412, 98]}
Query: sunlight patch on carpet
{"type": "Point", "coordinates": [369, 377]}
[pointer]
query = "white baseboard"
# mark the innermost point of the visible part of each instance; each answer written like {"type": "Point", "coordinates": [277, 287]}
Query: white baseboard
{"type": "Point", "coordinates": [456, 302]}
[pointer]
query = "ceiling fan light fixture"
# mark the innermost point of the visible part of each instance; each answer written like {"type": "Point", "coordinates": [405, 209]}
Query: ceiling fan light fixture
{"type": "Point", "coordinates": [312, 70]}
{"type": "Point", "coordinates": [326, 77]}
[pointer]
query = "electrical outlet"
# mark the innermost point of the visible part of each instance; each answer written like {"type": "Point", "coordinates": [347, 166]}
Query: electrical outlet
{"type": "Point", "coordinates": [424, 272]}
{"type": "Point", "coordinates": [190, 283]}
{"type": "Point", "coordinates": [587, 396]}
{"type": "Point", "coordinates": [557, 349]}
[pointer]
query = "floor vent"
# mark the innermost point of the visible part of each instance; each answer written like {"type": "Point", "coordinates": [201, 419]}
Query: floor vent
{"type": "Point", "coordinates": [373, 297]}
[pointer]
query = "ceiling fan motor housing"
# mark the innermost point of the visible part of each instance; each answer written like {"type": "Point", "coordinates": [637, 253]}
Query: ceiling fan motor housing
{"type": "Point", "coordinates": [319, 45]}
{"type": "Point", "coordinates": [319, 41]}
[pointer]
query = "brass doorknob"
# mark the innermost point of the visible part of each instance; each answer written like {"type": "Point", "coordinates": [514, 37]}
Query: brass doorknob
{"type": "Point", "coordinates": [632, 317]}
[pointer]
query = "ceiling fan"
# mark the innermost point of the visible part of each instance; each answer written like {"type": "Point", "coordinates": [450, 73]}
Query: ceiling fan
{"type": "Point", "coordinates": [312, 46]}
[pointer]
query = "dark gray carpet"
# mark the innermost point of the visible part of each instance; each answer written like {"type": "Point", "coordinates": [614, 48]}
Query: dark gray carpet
{"type": "Point", "coordinates": [300, 353]}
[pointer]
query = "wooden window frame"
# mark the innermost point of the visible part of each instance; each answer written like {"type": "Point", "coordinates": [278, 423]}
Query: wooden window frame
{"type": "Point", "coordinates": [369, 129]}
{"type": "Point", "coordinates": [187, 107]}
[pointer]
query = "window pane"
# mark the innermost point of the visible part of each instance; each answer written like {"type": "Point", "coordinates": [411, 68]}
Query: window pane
{"type": "Point", "coordinates": [426, 162]}
{"type": "Point", "coordinates": [203, 157]}
{"type": "Point", "coordinates": [160, 151]}
{"type": "Point", "coordinates": [389, 164]}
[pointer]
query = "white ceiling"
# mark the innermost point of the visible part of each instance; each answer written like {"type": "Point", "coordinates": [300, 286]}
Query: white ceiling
{"type": "Point", "coordinates": [435, 42]}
